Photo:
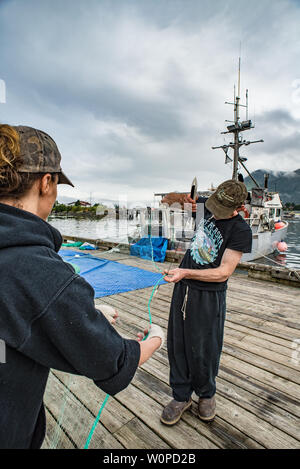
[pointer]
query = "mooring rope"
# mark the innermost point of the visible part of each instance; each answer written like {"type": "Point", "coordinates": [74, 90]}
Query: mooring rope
{"type": "Point", "coordinates": [292, 271]}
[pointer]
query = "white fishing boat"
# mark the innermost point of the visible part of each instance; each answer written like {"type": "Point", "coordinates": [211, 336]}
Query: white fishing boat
{"type": "Point", "coordinates": [263, 210]}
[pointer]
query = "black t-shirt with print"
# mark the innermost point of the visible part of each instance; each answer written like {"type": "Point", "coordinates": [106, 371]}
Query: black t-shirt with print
{"type": "Point", "coordinates": [211, 239]}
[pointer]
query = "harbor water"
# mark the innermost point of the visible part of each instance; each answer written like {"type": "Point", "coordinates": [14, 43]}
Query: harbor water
{"type": "Point", "coordinates": [118, 231]}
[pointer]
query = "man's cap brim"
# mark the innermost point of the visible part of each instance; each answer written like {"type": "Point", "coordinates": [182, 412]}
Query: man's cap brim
{"type": "Point", "coordinates": [63, 179]}
{"type": "Point", "coordinates": [219, 211]}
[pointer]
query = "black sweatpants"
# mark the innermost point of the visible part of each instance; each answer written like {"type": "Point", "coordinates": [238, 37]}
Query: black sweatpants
{"type": "Point", "coordinates": [195, 340]}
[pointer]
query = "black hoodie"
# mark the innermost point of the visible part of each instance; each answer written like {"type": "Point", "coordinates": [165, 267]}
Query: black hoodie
{"type": "Point", "coordinates": [48, 320]}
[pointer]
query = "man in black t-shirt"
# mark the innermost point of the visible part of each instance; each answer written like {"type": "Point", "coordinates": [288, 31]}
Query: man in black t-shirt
{"type": "Point", "coordinates": [197, 314]}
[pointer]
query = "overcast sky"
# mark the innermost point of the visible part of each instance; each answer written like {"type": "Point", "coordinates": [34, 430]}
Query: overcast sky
{"type": "Point", "coordinates": [133, 91]}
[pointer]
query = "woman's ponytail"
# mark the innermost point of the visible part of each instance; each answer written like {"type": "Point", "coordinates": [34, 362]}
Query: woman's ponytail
{"type": "Point", "coordinates": [9, 151]}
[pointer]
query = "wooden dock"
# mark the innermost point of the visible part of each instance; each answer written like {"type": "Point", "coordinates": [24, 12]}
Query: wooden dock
{"type": "Point", "coordinates": [258, 387]}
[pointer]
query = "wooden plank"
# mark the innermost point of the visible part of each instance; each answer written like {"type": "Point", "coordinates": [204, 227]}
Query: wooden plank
{"type": "Point", "coordinates": [180, 436]}
{"type": "Point", "coordinates": [51, 427]}
{"type": "Point", "coordinates": [253, 291]}
{"type": "Point", "coordinates": [263, 304]}
{"type": "Point", "coordinates": [265, 410]}
{"type": "Point", "coordinates": [268, 327]}
{"type": "Point", "coordinates": [113, 417]}
{"type": "Point", "coordinates": [260, 389]}
{"type": "Point", "coordinates": [76, 420]}
{"type": "Point", "coordinates": [269, 365]}
{"type": "Point", "coordinates": [219, 432]}
{"type": "Point", "coordinates": [136, 435]}
{"type": "Point", "coordinates": [257, 395]}
{"type": "Point", "coordinates": [248, 423]}
{"type": "Point", "coordinates": [254, 343]}
{"type": "Point", "coordinates": [133, 311]}
{"type": "Point", "coordinates": [264, 352]}
{"type": "Point", "coordinates": [254, 426]}
{"type": "Point", "coordinates": [259, 361]}
{"type": "Point", "coordinates": [265, 377]}
{"type": "Point", "coordinates": [262, 312]}
{"type": "Point", "coordinates": [285, 310]}
{"type": "Point", "coordinates": [252, 321]}
{"type": "Point", "coordinates": [267, 282]}
{"type": "Point", "coordinates": [268, 313]}
{"type": "Point", "coordinates": [285, 350]}
{"type": "Point", "coordinates": [139, 305]}
{"type": "Point", "coordinates": [254, 334]}
{"type": "Point", "coordinates": [278, 324]}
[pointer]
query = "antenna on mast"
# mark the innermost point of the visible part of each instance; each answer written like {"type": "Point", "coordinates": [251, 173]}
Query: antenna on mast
{"type": "Point", "coordinates": [239, 81]}
{"type": "Point", "coordinates": [236, 129]}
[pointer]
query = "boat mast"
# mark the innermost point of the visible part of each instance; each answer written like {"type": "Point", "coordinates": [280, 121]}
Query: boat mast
{"type": "Point", "coordinates": [237, 133]}
{"type": "Point", "coordinates": [236, 129]}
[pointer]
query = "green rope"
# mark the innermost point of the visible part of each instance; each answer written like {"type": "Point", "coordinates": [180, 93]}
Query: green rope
{"type": "Point", "coordinates": [89, 438]}
{"type": "Point", "coordinates": [87, 443]}
{"type": "Point", "coordinates": [156, 286]}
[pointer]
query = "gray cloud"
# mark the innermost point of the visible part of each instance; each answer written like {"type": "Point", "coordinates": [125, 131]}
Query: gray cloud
{"type": "Point", "coordinates": [133, 92]}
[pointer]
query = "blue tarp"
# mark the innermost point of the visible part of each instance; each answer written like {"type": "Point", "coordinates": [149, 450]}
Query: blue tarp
{"type": "Point", "coordinates": [110, 277]}
{"type": "Point", "coordinates": [145, 247]}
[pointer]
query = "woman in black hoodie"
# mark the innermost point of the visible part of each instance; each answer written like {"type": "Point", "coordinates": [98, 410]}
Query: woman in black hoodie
{"type": "Point", "coordinates": [47, 313]}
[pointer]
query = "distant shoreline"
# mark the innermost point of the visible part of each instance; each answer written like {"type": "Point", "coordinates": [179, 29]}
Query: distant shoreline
{"type": "Point", "coordinates": [82, 214]}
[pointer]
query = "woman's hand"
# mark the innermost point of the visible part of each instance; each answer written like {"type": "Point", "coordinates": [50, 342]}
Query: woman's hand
{"type": "Point", "coordinates": [174, 275]}
{"type": "Point", "coordinates": [154, 331]}
{"type": "Point", "coordinates": [109, 312]}
{"type": "Point", "coordinates": [154, 340]}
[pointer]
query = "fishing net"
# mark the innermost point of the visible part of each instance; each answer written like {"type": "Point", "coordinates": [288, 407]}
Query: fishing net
{"type": "Point", "coordinates": [85, 419]}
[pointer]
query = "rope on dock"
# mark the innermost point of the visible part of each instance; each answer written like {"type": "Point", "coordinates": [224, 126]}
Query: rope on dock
{"type": "Point", "coordinates": [291, 271]}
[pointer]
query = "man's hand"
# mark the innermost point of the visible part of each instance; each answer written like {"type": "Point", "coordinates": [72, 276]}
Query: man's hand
{"type": "Point", "coordinates": [174, 198]}
{"type": "Point", "coordinates": [188, 200]}
{"type": "Point", "coordinates": [174, 275]}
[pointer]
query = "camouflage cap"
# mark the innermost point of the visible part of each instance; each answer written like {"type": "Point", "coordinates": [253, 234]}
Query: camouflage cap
{"type": "Point", "coordinates": [40, 153]}
{"type": "Point", "coordinates": [229, 196]}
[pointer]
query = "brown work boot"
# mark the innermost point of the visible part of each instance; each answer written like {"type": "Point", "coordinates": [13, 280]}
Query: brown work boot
{"type": "Point", "coordinates": [173, 411]}
{"type": "Point", "coordinates": [207, 409]}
